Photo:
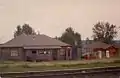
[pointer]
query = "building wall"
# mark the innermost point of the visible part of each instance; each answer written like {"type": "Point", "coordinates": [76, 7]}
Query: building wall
{"type": "Point", "coordinates": [5, 54]}
{"type": "Point", "coordinates": [65, 53]}
{"type": "Point", "coordinates": [61, 54]}
{"type": "Point", "coordinates": [39, 55]}
{"type": "Point", "coordinates": [50, 54]}
{"type": "Point", "coordinates": [118, 52]}
{"type": "Point", "coordinates": [107, 53]}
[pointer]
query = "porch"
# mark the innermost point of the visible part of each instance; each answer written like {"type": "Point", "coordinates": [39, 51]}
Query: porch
{"type": "Point", "coordinates": [48, 54]}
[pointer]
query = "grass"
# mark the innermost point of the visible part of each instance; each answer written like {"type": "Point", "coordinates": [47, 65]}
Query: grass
{"type": "Point", "coordinates": [11, 66]}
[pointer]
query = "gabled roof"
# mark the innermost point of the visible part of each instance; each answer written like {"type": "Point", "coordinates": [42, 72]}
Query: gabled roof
{"type": "Point", "coordinates": [98, 44]}
{"type": "Point", "coordinates": [117, 45]}
{"type": "Point", "coordinates": [33, 40]}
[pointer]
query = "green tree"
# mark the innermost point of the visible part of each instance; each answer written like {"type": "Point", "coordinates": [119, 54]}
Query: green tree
{"type": "Point", "coordinates": [71, 37]}
{"type": "Point", "coordinates": [104, 32]}
{"type": "Point", "coordinates": [18, 31]}
{"type": "Point", "coordinates": [26, 29]}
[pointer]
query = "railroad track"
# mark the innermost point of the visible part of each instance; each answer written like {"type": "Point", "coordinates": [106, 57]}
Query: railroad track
{"type": "Point", "coordinates": [70, 73]}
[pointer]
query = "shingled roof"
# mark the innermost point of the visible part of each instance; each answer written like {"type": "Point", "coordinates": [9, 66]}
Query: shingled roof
{"type": "Point", "coordinates": [33, 40]}
{"type": "Point", "coordinates": [98, 44]}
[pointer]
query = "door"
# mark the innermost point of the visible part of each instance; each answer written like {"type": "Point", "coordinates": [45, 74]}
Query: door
{"type": "Point", "coordinates": [34, 55]}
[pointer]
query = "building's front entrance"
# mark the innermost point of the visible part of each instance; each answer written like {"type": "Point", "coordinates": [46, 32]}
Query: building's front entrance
{"type": "Point", "coordinates": [34, 54]}
{"type": "Point", "coordinates": [31, 55]}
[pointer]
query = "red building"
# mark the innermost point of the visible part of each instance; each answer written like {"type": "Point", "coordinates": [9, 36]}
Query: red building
{"type": "Point", "coordinates": [99, 50]}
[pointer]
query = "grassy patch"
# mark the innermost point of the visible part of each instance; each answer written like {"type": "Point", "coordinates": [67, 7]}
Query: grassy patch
{"type": "Point", "coordinates": [57, 65]}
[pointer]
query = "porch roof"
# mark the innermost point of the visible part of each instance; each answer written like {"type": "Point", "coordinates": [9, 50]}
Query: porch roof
{"type": "Point", "coordinates": [41, 47]}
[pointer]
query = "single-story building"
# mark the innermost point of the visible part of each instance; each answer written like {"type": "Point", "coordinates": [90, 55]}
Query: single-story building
{"type": "Point", "coordinates": [35, 48]}
{"type": "Point", "coordinates": [101, 50]}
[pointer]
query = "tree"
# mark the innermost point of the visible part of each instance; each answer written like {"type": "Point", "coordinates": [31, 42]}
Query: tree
{"type": "Point", "coordinates": [18, 32]}
{"type": "Point", "coordinates": [104, 32]}
{"type": "Point", "coordinates": [26, 29]}
{"type": "Point", "coordinates": [87, 40]}
{"type": "Point", "coordinates": [70, 37]}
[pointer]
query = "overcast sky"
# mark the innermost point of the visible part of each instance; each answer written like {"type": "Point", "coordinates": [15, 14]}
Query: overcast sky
{"type": "Point", "coordinates": [52, 17]}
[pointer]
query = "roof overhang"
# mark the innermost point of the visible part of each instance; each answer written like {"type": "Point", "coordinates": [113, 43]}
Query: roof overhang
{"type": "Point", "coordinates": [42, 47]}
{"type": "Point", "coordinates": [4, 46]}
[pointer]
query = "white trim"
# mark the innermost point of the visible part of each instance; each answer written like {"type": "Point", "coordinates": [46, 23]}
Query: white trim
{"type": "Point", "coordinates": [100, 54]}
{"type": "Point", "coordinates": [14, 53]}
{"type": "Point", "coordinates": [107, 54]}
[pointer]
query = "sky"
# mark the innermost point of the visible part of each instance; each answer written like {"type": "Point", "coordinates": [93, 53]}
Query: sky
{"type": "Point", "coordinates": [52, 17]}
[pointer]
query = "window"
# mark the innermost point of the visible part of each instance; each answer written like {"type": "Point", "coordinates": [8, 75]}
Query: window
{"type": "Point", "coordinates": [14, 53]}
{"type": "Point", "coordinates": [33, 52]}
{"type": "Point", "coordinates": [49, 52]}
{"type": "Point", "coordinates": [41, 52]}
{"type": "Point", "coordinates": [44, 52]}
